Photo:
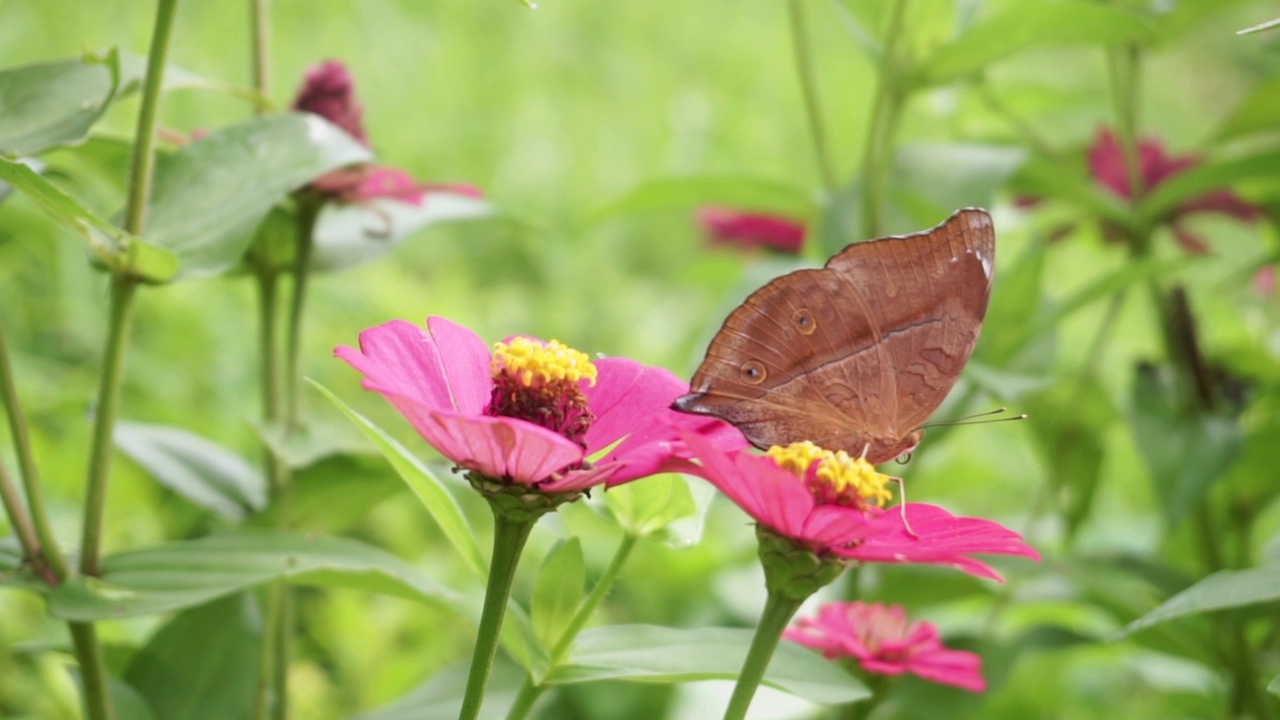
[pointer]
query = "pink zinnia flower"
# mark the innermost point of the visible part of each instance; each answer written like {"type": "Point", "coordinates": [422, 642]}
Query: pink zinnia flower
{"type": "Point", "coordinates": [1107, 164]}
{"type": "Point", "coordinates": [511, 417]}
{"type": "Point", "coordinates": [844, 520]}
{"type": "Point", "coordinates": [749, 230]}
{"type": "Point", "coordinates": [329, 91]}
{"type": "Point", "coordinates": [879, 637]}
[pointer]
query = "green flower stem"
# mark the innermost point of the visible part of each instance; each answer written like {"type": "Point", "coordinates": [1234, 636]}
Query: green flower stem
{"type": "Point", "coordinates": [884, 117]}
{"type": "Point", "coordinates": [36, 535]}
{"type": "Point", "coordinates": [144, 159]}
{"type": "Point", "coordinates": [260, 20]}
{"type": "Point", "coordinates": [93, 671]}
{"type": "Point", "coordinates": [529, 691]}
{"type": "Point", "coordinates": [123, 290]}
{"type": "Point", "coordinates": [308, 212]}
{"type": "Point", "coordinates": [1123, 64]}
{"type": "Point", "coordinates": [269, 357]}
{"type": "Point", "coordinates": [809, 88]}
{"type": "Point", "coordinates": [509, 537]}
{"type": "Point", "coordinates": [18, 519]}
{"type": "Point", "coordinates": [778, 610]}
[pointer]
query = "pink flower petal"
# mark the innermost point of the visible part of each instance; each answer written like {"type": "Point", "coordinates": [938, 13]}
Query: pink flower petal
{"type": "Point", "coordinates": [497, 447]}
{"type": "Point", "coordinates": [941, 539]}
{"type": "Point", "coordinates": [774, 497]}
{"type": "Point", "coordinates": [446, 368]}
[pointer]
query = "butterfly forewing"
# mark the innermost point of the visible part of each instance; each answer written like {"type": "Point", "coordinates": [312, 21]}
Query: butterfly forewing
{"type": "Point", "coordinates": [856, 355]}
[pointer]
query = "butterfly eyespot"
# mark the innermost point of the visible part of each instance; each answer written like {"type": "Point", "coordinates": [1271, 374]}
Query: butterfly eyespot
{"type": "Point", "coordinates": [753, 372]}
{"type": "Point", "coordinates": [804, 321]}
{"type": "Point", "coordinates": [903, 459]}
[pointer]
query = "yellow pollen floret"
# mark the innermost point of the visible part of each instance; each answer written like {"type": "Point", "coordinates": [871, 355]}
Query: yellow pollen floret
{"type": "Point", "coordinates": [532, 362]}
{"type": "Point", "coordinates": [842, 473]}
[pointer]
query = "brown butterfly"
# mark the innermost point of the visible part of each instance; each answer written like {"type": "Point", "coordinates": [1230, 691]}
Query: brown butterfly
{"type": "Point", "coordinates": [857, 355]}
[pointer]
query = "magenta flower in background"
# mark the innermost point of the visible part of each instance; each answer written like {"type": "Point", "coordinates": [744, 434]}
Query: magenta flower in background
{"type": "Point", "coordinates": [530, 413]}
{"type": "Point", "coordinates": [882, 641]}
{"type": "Point", "coordinates": [1107, 165]}
{"type": "Point", "coordinates": [750, 230]}
{"type": "Point", "coordinates": [844, 520]}
{"type": "Point", "coordinates": [329, 91]}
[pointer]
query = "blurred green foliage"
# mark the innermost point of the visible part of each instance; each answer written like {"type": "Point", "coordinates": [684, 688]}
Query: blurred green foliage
{"type": "Point", "coordinates": [563, 114]}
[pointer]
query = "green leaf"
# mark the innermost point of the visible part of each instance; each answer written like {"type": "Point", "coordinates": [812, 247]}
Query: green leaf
{"type": "Point", "coordinates": [688, 192]}
{"type": "Point", "coordinates": [125, 700]}
{"type": "Point", "coordinates": [430, 491]}
{"type": "Point", "coordinates": [1069, 181]}
{"type": "Point", "coordinates": [1185, 451]}
{"type": "Point", "coordinates": [116, 248]}
{"type": "Point", "coordinates": [1031, 26]}
{"type": "Point", "coordinates": [1104, 287]}
{"type": "Point", "coordinates": [335, 492]}
{"type": "Point", "coordinates": [54, 103]}
{"type": "Point", "coordinates": [559, 590]}
{"type": "Point", "coordinates": [184, 574]}
{"type": "Point", "coordinates": [1071, 443]}
{"type": "Point", "coordinates": [1207, 177]}
{"type": "Point", "coordinates": [932, 180]}
{"type": "Point", "coordinates": [1259, 112]}
{"type": "Point", "coordinates": [1222, 590]}
{"type": "Point", "coordinates": [652, 654]}
{"type": "Point", "coordinates": [133, 74]}
{"type": "Point", "coordinates": [1273, 687]}
{"type": "Point", "coordinates": [646, 508]}
{"type": "Point", "coordinates": [353, 234]}
{"type": "Point", "coordinates": [200, 470]}
{"type": "Point", "coordinates": [440, 697]}
{"type": "Point", "coordinates": [202, 664]}
{"type": "Point", "coordinates": [211, 195]}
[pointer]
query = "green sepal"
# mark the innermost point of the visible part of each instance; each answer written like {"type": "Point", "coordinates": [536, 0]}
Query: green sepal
{"type": "Point", "coordinates": [793, 572]}
{"type": "Point", "coordinates": [517, 503]}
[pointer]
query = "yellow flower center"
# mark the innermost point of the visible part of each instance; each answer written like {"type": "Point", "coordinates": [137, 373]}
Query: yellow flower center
{"type": "Point", "coordinates": [532, 363]}
{"type": "Point", "coordinates": [838, 478]}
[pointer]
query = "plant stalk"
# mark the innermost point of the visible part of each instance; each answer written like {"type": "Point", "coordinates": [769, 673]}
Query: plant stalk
{"type": "Point", "coordinates": [34, 532]}
{"type": "Point", "coordinates": [880, 130]}
{"type": "Point", "coordinates": [308, 212]}
{"type": "Point", "coordinates": [531, 691]}
{"type": "Point", "coordinates": [144, 160]}
{"type": "Point", "coordinates": [509, 537]}
{"type": "Point", "coordinates": [778, 611]}
{"type": "Point", "coordinates": [260, 21]}
{"type": "Point", "coordinates": [809, 88]}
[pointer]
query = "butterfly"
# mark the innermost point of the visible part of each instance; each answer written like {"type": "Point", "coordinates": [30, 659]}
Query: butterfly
{"type": "Point", "coordinates": [857, 355]}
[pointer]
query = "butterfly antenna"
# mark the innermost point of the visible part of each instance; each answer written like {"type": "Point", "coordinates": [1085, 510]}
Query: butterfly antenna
{"type": "Point", "coordinates": [902, 506]}
{"type": "Point", "coordinates": [976, 419]}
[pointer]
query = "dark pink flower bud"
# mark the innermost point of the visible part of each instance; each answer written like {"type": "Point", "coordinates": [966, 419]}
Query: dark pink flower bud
{"type": "Point", "coordinates": [329, 91]}
{"type": "Point", "coordinates": [747, 230]}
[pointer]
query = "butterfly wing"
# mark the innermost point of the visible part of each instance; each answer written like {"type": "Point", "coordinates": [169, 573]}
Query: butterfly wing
{"type": "Point", "coordinates": [928, 294]}
{"type": "Point", "coordinates": [856, 355]}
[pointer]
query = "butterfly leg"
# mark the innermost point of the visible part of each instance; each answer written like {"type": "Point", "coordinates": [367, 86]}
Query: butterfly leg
{"type": "Point", "coordinates": [902, 506]}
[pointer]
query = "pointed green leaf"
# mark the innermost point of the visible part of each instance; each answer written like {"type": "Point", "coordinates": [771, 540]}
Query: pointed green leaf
{"type": "Point", "coordinates": [440, 696]}
{"type": "Point", "coordinates": [559, 590]}
{"type": "Point", "coordinates": [435, 498]}
{"type": "Point", "coordinates": [1220, 591]}
{"type": "Point", "coordinates": [202, 664]}
{"type": "Point", "coordinates": [1030, 26]}
{"type": "Point", "coordinates": [185, 574]}
{"type": "Point", "coordinates": [203, 471]}
{"type": "Point", "coordinates": [1207, 177]}
{"type": "Point", "coordinates": [1185, 451]}
{"type": "Point", "coordinates": [1258, 112]}
{"type": "Point", "coordinates": [114, 247]}
{"type": "Point", "coordinates": [652, 654]}
{"type": "Point", "coordinates": [54, 103]}
{"type": "Point", "coordinates": [211, 195]}
{"type": "Point", "coordinates": [642, 509]}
